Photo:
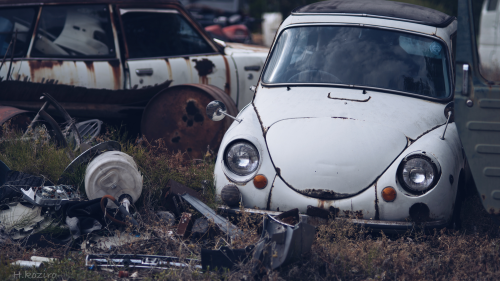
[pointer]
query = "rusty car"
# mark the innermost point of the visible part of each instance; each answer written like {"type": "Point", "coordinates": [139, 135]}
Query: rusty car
{"type": "Point", "coordinates": [352, 115]}
{"type": "Point", "coordinates": [146, 63]}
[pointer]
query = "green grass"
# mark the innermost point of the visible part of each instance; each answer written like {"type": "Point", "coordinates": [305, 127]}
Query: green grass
{"type": "Point", "coordinates": [341, 250]}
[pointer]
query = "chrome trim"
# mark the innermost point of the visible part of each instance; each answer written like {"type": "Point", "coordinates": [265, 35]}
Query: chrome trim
{"type": "Point", "coordinates": [388, 226]}
{"type": "Point", "coordinates": [443, 25]}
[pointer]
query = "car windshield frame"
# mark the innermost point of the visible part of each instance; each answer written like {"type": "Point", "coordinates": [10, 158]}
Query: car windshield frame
{"type": "Point", "coordinates": [449, 78]}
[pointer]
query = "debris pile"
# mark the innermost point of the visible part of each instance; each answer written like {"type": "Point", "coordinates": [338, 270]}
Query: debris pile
{"type": "Point", "coordinates": [102, 219]}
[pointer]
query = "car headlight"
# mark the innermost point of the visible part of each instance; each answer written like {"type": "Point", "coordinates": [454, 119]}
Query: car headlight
{"type": "Point", "coordinates": [242, 158]}
{"type": "Point", "coordinates": [418, 173]}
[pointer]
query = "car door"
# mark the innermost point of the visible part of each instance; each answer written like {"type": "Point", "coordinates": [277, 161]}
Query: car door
{"type": "Point", "coordinates": [72, 45]}
{"type": "Point", "coordinates": [165, 47]}
{"type": "Point", "coordinates": [477, 95]}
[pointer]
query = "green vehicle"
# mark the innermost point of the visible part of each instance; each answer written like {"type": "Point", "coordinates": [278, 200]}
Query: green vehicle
{"type": "Point", "coordinates": [477, 95]}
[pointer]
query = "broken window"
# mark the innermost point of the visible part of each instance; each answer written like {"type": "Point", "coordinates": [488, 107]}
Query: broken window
{"type": "Point", "coordinates": [361, 56]}
{"type": "Point", "coordinates": [161, 33]}
{"type": "Point", "coordinates": [12, 20]}
{"type": "Point", "coordinates": [74, 31]}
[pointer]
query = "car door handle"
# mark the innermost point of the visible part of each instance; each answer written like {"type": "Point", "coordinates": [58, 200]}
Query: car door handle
{"type": "Point", "coordinates": [144, 71]}
{"type": "Point", "coordinates": [465, 80]}
{"type": "Point", "coordinates": [252, 68]}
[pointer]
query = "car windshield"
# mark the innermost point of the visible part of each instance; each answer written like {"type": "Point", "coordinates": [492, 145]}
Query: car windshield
{"type": "Point", "coordinates": [360, 56]}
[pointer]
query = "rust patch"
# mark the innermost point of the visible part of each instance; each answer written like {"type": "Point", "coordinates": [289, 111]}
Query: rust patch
{"type": "Point", "coordinates": [227, 86]}
{"type": "Point", "coordinates": [117, 73]}
{"type": "Point", "coordinates": [321, 204]}
{"type": "Point", "coordinates": [324, 194]}
{"type": "Point", "coordinates": [356, 214]}
{"type": "Point", "coordinates": [204, 68]}
{"type": "Point", "coordinates": [318, 212]}
{"type": "Point", "coordinates": [289, 217]}
{"type": "Point", "coordinates": [170, 75]}
{"type": "Point", "coordinates": [89, 65]}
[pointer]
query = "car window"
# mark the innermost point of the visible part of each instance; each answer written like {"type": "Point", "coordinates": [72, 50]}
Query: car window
{"type": "Point", "coordinates": [486, 25]}
{"type": "Point", "coordinates": [20, 20]}
{"type": "Point", "coordinates": [74, 31]}
{"type": "Point", "coordinates": [160, 34]}
{"type": "Point", "coordinates": [360, 56]}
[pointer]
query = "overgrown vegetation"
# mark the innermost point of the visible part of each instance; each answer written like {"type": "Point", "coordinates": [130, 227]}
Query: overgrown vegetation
{"type": "Point", "coordinates": [341, 251]}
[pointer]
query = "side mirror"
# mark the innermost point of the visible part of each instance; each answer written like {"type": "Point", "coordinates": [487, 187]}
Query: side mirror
{"type": "Point", "coordinates": [216, 111]}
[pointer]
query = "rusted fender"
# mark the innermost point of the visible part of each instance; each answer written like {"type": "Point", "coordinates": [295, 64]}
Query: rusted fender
{"type": "Point", "coordinates": [8, 112]}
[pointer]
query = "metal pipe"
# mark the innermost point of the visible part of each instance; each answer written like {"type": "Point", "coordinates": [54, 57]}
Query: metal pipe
{"type": "Point", "coordinates": [12, 55]}
{"type": "Point", "coordinates": [236, 119]}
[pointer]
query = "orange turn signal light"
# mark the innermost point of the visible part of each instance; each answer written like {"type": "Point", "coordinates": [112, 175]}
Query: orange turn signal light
{"type": "Point", "coordinates": [260, 181]}
{"type": "Point", "coordinates": [389, 194]}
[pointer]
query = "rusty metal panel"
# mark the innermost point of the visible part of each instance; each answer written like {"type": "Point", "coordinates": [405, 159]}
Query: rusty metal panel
{"type": "Point", "coordinates": [84, 73]}
{"type": "Point", "coordinates": [78, 101]}
{"type": "Point", "coordinates": [177, 115]}
{"type": "Point", "coordinates": [7, 112]}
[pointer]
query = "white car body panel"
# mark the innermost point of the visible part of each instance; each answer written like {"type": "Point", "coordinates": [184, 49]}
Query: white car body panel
{"type": "Point", "coordinates": [325, 157]}
{"type": "Point", "coordinates": [412, 116]}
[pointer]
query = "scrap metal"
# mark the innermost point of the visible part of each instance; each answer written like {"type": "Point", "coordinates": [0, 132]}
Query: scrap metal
{"type": "Point", "coordinates": [224, 225]}
{"type": "Point", "coordinates": [138, 261]}
{"type": "Point", "coordinates": [282, 242]}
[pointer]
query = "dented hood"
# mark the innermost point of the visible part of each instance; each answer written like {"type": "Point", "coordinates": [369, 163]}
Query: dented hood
{"type": "Point", "coordinates": [332, 158]}
{"type": "Point", "coordinates": [411, 116]}
{"type": "Point", "coordinates": [333, 143]}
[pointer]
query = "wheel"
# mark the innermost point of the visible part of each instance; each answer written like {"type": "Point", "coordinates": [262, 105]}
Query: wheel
{"type": "Point", "coordinates": [177, 115]}
{"type": "Point", "coordinates": [317, 76]}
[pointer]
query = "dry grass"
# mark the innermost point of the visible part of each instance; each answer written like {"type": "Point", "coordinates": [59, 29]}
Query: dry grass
{"type": "Point", "coordinates": [341, 251]}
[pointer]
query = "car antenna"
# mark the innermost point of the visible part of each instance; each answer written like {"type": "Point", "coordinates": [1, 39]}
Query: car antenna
{"type": "Point", "coordinates": [446, 127]}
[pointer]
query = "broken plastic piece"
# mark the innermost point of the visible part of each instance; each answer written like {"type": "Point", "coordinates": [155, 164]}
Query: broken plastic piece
{"type": "Point", "coordinates": [281, 242]}
{"type": "Point", "coordinates": [227, 227]}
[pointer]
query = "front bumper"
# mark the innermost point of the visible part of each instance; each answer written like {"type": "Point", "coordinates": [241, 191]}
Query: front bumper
{"type": "Point", "coordinates": [374, 225]}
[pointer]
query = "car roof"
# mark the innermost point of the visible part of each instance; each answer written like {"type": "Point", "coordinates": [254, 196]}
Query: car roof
{"type": "Point", "coordinates": [62, 2]}
{"type": "Point", "coordinates": [378, 8]}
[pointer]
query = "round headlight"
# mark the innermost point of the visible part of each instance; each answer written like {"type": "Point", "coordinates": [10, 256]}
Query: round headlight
{"type": "Point", "coordinates": [418, 174]}
{"type": "Point", "coordinates": [241, 158]}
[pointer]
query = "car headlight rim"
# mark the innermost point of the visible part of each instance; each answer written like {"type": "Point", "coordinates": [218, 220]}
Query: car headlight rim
{"type": "Point", "coordinates": [248, 155]}
{"type": "Point", "coordinates": [413, 171]}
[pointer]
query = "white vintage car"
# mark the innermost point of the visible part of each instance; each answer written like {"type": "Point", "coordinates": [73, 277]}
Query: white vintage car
{"type": "Point", "coordinates": [350, 117]}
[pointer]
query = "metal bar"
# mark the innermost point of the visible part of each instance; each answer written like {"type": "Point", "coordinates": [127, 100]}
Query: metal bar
{"type": "Point", "coordinates": [12, 55]}
{"type": "Point", "coordinates": [239, 120]}
{"type": "Point", "coordinates": [6, 52]}
{"type": "Point", "coordinates": [227, 227]}
{"type": "Point", "coordinates": [36, 119]}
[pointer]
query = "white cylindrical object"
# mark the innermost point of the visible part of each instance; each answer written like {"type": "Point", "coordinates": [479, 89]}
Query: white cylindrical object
{"type": "Point", "coordinates": [42, 259]}
{"type": "Point", "coordinates": [113, 173]}
{"type": "Point", "coordinates": [27, 263]}
{"type": "Point", "coordinates": [270, 26]}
